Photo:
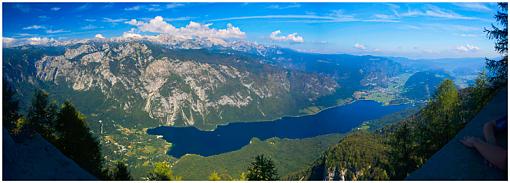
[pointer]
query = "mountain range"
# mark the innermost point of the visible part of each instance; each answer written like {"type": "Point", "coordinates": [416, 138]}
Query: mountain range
{"type": "Point", "coordinates": [126, 86]}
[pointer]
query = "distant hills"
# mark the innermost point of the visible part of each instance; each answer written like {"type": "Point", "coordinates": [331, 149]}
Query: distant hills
{"type": "Point", "coordinates": [126, 86]}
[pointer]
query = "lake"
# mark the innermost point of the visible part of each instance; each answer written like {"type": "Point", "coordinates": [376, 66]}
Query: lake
{"type": "Point", "coordinates": [341, 119]}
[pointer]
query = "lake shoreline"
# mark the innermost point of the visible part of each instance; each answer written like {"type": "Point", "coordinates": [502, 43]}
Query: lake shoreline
{"type": "Point", "coordinates": [226, 138]}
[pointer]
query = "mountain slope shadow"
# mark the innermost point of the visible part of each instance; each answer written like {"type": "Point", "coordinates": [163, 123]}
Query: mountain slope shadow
{"type": "Point", "coordinates": [37, 159]}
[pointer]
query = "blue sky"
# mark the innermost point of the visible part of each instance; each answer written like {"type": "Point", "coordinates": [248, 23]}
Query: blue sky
{"type": "Point", "coordinates": [415, 30]}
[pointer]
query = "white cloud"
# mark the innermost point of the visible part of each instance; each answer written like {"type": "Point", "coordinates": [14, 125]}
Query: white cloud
{"type": "Point", "coordinates": [109, 20]}
{"type": "Point", "coordinates": [277, 6]}
{"type": "Point", "coordinates": [153, 7]}
{"type": "Point", "coordinates": [434, 11]}
{"type": "Point", "coordinates": [50, 31]}
{"type": "Point", "coordinates": [469, 35]}
{"type": "Point", "coordinates": [99, 36]}
{"type": "Point", "coordinates": [334, 16]}
{"type": "Point", "coordinates": [467, 48]}
{"type": "Point", "coordinates": [159, 25]}
{"type": "Point", "coordinates": [8, 42]}
{"type": "Point", "coordinates": [83, 7]}
{"type": "Point", "coordinates": [34, 27]}
{"type": "Point", "coordinates": [294, 37]}
{"type": "Point", "coordinates": [360, 46]}
{"type": "Point", "coordinates": [39, 40]}
{"type": "Point", "coordinates": [90, 27]}
{"type": "Point", "coordinates": [43, 17]}
{"type": "Point", "coordinates": [90, 20]}
{"type": "Point", "coordinates": [134, 8]}
{"type": "Point", "coordinates": [474, 6]}
{"type": "Point", "coordinates": [132, 35]}
{"type": "Point", "coordinates": [174, 5]}
{"type": "Point", "coordinates": [55, 8]}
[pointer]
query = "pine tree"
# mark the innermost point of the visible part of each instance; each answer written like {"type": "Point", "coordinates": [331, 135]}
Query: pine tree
{"type": "Point", "coordinates": [10, 107]}
{"type": "Point", "coordinates": [120, 172]}
{"type": "Point", "coordinates": [440, 119]}
{"type": "Point", "coordinates": [42, 115]}
{"type": "Point", "coordinates": [500, 35]}
{"type": "Point", "coordinates": [77, 142]}
{"type": "Point", "coordinates": [262, 168]}
{"type": "Point", "coordinates": [402, 151]}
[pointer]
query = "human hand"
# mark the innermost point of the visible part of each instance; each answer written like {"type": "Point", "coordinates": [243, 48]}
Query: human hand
{"type": "Point", "coordinates": [470, 141]}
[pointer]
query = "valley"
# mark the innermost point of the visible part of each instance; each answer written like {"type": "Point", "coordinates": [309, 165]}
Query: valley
{"type": "Point", "coordinates": [129, 87]}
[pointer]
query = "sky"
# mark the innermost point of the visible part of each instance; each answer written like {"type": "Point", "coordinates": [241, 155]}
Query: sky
{"type": "Point", "coordinates": [413, 30]}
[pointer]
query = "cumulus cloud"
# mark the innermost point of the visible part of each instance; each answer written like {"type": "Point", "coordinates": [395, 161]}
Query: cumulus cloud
{"type": "Point", "coordinates": [99, 36]}
{"type": "Point", "coordinates": [34, 27]}
{"type": "Point", "coordinates": [360, 46]}
{"type": "Point", "coordinates": [131, 34]}
{"type": "Point", "coordinates": [467, 48]}
{"type": "Point", "coordinates": [193, 29]}
{"type": "Point", "coordinates": [39, 40]}
{"type": "Point", "coordinates": [55, 8]}
{"type": "Point", "coordinates": [294, 37]}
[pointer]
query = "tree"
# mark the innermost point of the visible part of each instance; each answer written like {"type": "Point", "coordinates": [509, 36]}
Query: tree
{"type": "Point", "coordinates": [21, 130]}
{"type": "Point", "coordinates": [10, 107]}
{"type": "Point", "coordinates": [42, 115]}
{"type": "Point", "coordinates": [77, 142]}
{"type": "Point", "coordinates": [162, 171]}
{"type": "Point", "coordinates": [500, 35]}
{"type": "Point", "coordinates": [262, 168]}
{"type": "Point", "coordinates": [242, 177]}
{"type": "Point", "coordinates": [402, 151]}
{"type": "Point", "coordinates": [120, 172]}
{"type": "Point", "coordinates": [440, 119]}
{"type": "Point", "coordinates": [361, 155]}
{"type": "Point", "coordinates": [214, 176]}
{"type": "Point", "coordinates": [476, 97]}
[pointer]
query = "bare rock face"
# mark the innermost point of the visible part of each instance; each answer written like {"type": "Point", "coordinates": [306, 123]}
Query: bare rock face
{"type": "Point", "coordinates": [177, 91]}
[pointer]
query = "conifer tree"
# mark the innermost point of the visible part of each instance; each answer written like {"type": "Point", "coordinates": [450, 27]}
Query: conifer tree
{"type": "Point", "coordinates": [42, 114]}
{"type": "Point", "coordinates": [500, 35]}
{"type": "Point", "coordinates": [76, 140]}
{"type": "Point", "coordinates": [10, 107]}
{"type": "Point", "coordinates": [440, 119]}
{"type": "Point", "coordinates": [262, 168]}
{"type": "Point", "coordinates": [120, 172]}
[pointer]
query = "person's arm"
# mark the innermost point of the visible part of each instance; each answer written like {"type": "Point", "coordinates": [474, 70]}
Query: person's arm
{"type": "Point", "coordinates": [492, 153]}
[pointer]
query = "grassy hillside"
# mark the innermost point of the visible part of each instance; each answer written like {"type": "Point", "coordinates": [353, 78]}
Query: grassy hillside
{"type": "Point", "coordinates": [289, 155]}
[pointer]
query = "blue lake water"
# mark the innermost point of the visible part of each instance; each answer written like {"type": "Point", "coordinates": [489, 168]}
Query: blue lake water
{"type": "Point", "coordinates": [190, 140]}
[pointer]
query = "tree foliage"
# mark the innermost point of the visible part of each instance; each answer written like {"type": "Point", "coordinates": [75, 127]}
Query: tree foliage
{"type": "Point", "coordinates": [358, 156]}
{"type": "Point", "coordinates": [440, 119]}
{"type": "Point", "coordinates": [262, 168]}
{"type": "Point", "coordinates": [500, 36]}
{"type": "Point", "coordinates": [76, 140]}
{"type": "Point", "coordinates": [120, 172]}
{"type": "Point", "coordinates": [10, 107]}
{"type": "Point", "coordinates": [42, 115]}
{"type": "Point", "coordinates": [403, 157]}
{"type": "Point", "coordinates": [214, 176]}
{"type": "Point", "coordinates": [162, 171]}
